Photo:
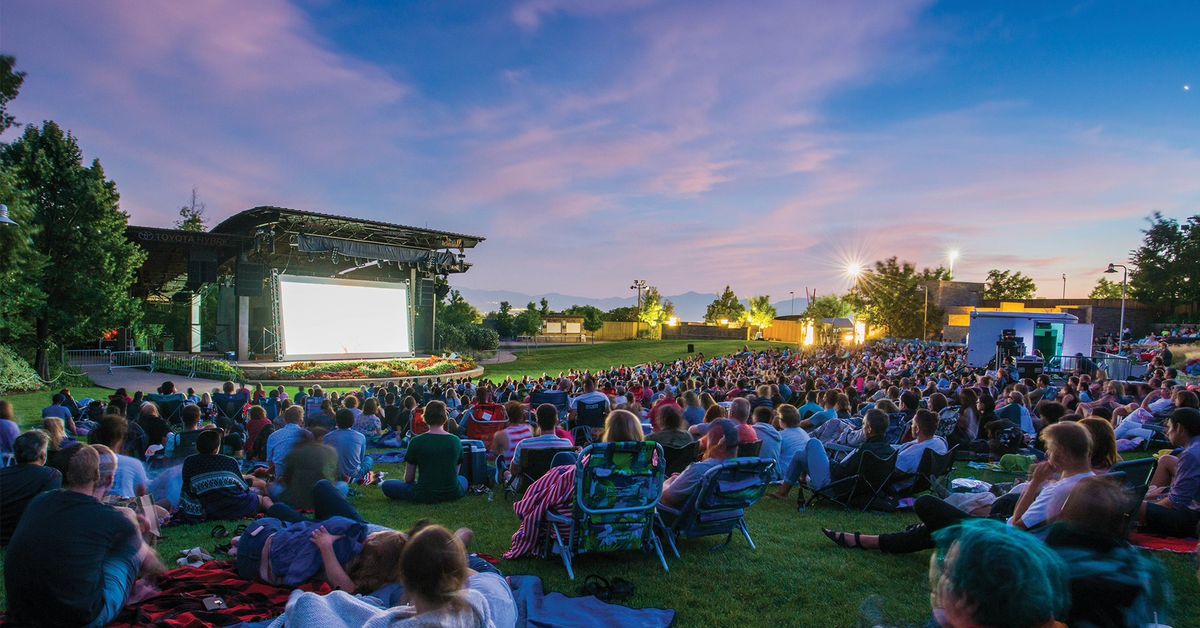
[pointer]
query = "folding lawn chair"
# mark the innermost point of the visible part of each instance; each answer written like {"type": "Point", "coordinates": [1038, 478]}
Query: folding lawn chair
{"type": "Point", "coordinates": [933, 473]}
{"type": "Point", "coordinates": [898, 423]}
{"type": "Point", "coordinates": [556, 398]}
{"type": "Point", "coordinates": [870, 480]}
{"type": "Point", "coordinates": [168, 406]}
{"type": "Point", "coordinates": [484, 420]}
{"type": "Point", "coordinates": [617, 486]}
{"type": "Point", "coordinates": [231, 407]}
{"type": "Point", "coordinates": [591, 416]}
{"type": "Point", "coordinates": [678, 458]}
{"type": "Point", "coordinates": [719, 503]}
{"type": "Point", "coordinates": [749, 450]}
{"type": "Point", "coordinates": [1135, 475]}
{"type": "Point", "coordinates": [534, 464]}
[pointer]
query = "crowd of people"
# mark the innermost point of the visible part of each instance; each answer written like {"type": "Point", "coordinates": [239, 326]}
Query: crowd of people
{"type": "Point", "coordinates": [239, 453]}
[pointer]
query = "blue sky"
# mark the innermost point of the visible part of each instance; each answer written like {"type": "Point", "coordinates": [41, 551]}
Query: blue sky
{"type": "Point", "coordinates": [693, 143]}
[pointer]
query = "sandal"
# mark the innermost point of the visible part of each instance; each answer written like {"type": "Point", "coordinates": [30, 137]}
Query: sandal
{"type": "Point", "coordinates": [597, 586]}
{"type": "Point", "coordinates": [839, 538]}
{"type": "Point", "coordinates": [219, 532]}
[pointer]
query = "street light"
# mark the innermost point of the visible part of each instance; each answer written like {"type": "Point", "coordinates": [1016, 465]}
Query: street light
{"type": "Point", "coordinates": [952, 255]}
{"type": "Point", "coordinates": [793, 293]}
{"type": "Point", "coordinates": [1112, 270]}
{"type": "Point", "coordinates": [1064, 286]}
{"type": "Point", "coordinates": [639, 285]}
{"type": "Point", "coordinates": [4, 219]}
{"type": "Point", "coordinates": [925, 315]}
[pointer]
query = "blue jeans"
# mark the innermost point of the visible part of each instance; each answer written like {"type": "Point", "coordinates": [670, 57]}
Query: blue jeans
{"type": "Point", "coordinates": [118, 573]}
{"type": "Point", "coordinates": [399, 489]}
{"type": "Point", "coordinates": [811, 461]}
{"type": "Point", "coordinates": [329, 500]}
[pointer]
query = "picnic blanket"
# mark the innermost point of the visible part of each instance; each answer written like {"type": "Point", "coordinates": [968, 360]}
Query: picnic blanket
{"type": "Point", "coordinates": [388, 457]}
{"type": "Point", "coordinates": [535, 609]}
{"type": "Point", "coordinates": [1163, 543]}
{"type": "Point", "coordinates": [178, 604]}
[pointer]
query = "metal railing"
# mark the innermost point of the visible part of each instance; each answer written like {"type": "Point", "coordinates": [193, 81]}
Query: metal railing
{"type": "Point", "coordinates": [80, 358]}
{"type": "Point", "coordinates": [130, 360]}
{"type": "Point", "coordinates": [1116, 366]}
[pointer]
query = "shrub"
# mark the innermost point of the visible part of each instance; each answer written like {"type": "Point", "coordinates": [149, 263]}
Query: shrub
{"type": "Point", "coordinates": [480, 338]}
{"type": "Point", "coordinates": [422, 367]}
{"type": "Point", "coordinates": [451, 338]}
{"type": "Point", "coordinates": [15, 373]}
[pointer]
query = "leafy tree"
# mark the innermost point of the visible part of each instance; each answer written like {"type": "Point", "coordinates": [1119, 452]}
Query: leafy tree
{"type": "Point", "coordinates": [593, 317]}
{"type": "Point", "coordinates": [456, 311]}
{"type": "Point", "coordinates": [622, 315]}
{"type": "Point", "coordinates": [22, 260]}
{"type": "Point", "coordinates": [544, 307]}
{"type": "Point", "coordinates": [1002, 285]}
{"type": "Point", "coordinates": [529, 322]}
{"type": "Point", "coordinates": [191, 216]}
{"type": "Point", "coordinates": [725, 307]}
{"type": "Point", "coordinates": [1164, 270]}
{"type": "Point", "coordinates": [891, 296]}
{"type": "Point", "coordinates": [10, 85]}
{"type": "Point", "coordinates": [77, 226]}
{"type": "Point", "coordinates": [502, 320]}
{"type": "Point", "coordinates": [831, 306]}
{"type": "Point", "coordinates": [761, 313]}
{"type": "Point", "coordinates": [1106, 289]}
{"type": "Point", "coordinates": [655, 309]}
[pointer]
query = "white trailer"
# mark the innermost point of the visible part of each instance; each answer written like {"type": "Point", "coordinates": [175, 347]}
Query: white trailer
{"type": "Point", "coordinates": [1053, 334]}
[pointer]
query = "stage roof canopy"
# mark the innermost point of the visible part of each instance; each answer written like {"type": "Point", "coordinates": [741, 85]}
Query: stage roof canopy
{"type": "Point", "coordinates": [298, 221]}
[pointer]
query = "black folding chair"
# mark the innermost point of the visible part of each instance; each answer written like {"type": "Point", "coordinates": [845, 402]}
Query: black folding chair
{"type": "Point", "coordinates": [534, 464]}
{"type": "Point", "coordinates": [678, 458]}
{"type": "Point", "coordinates": [933, 473]}
{"type": "Point", "coordinates": [870, 480]}
{"type": "Point", "coordinates": [1135, 475]}
{"type": "Point", "coordinates": [749, 450]}
{"type": "Point", "coordinates": [186, 445]}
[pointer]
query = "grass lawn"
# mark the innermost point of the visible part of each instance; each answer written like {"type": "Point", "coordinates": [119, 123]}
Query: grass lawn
{"type": "Point", "coordinates": [796, 577]}
{"type": "Point", "coordinates": [553, 360]}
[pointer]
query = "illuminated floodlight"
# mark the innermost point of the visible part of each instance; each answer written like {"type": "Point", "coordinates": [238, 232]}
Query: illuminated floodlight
{"type": "Point", "coordinates": [952, 256]}
{"type": "Point", "coordinates": [854, 270]}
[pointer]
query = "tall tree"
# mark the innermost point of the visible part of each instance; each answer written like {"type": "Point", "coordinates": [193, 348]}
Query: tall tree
{"type": "Point", "coordinates": [529, 322]}
{"type": "Point", "coordinates": [724, 307]}
{"type": "Point", "coordinates": [593, 317]}
{"type": "Point", "coordinates": [1164, 268]}
{"type": "Point", "coordinates": [191, 216]}
{"type": "Point", "coordinates": [10, 85]}
{"type": "Point", "coordinates": [891, 296]}
{"type": "Point", "coordinates": [1003, 285]}
{"type": "Point", "coordinates": [655, 309]}
{"type": "Point", "coordinates": [1106, 289]}
{"type": "Point", "coordinates": [79, 228]}
{"type": "Point", "coordinates": [622, 315]}
{"type": "Point", "coordinates": [761, 313]}
{"type": "Point", "coordinates": [831, 306]}
{"type": "Point", "coordinates": [544, 307]}
{"type": "Point", "coordinates": [502, 320]}
{"type": "Point", "coordinates": [455, 310]}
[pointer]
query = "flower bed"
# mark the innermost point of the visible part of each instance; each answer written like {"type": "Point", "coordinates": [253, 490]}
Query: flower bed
{"type": "Point", "coordinates": [420, 367]}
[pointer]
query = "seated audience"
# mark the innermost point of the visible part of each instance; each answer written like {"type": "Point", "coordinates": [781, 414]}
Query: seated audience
{"type": "Point", "coordinates": [190, 416]}
{"type": "Point", "coordinates": [1104, 444]}
{"type": "Point", "coordinates": [73, 560]}
{"type": "Point", "coordinates": [9, 430]}
{"type": "Point", "coordinates": [351, 447]}
{"type": "Point", "coordinates": [770, 437]}
{"type": "Point", "coordinates": [431, 463]}
{"type": "Point", "coordinates": [131, 480]}
{"type": "Point", "coordinates": [25, 480]}
{"type": "Point", "coordinates": [504, 443]}
{"type": "Point", "coordinates": [673, 428]}
{"type": "Point", "coordinates": [213, 486]}
{"type": "Point", "coordinates": [309, 463]}
{"type": "Point", "coordinates": [1172, 506]}
{"type": "Point", "coordinates": [547, 437]}
{"type": "Point", "coordinates": [722, 442]}
{"type": "Point", "coordinates": [283, 440]}
{"type": "Point", "coordinates": [813, 462]}
{"type": "Point", "coordinates": [792, 437]}
{"type": "Point", "coordinates": [924, 433]}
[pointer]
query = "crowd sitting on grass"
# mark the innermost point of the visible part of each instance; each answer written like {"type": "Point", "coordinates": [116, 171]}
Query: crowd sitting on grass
{"type": "Point", "coordinates": [239, 453]}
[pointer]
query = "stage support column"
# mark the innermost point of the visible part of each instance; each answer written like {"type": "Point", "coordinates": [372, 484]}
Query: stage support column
{"type": "Point", "coordinates": [243, 328]}
{"type": "Point", "coordinates": [194, 323]}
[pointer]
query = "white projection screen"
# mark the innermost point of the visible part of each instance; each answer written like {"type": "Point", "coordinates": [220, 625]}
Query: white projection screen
{"type": "Point", "coordinates": [323, 318]}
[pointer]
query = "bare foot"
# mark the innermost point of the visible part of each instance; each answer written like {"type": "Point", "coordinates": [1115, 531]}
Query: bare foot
{"type": "Point", "coordinates": [466, 535]}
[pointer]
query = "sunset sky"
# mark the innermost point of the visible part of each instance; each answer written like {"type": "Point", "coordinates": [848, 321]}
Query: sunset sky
{"type": "Point", "coordinates": [694, 144]}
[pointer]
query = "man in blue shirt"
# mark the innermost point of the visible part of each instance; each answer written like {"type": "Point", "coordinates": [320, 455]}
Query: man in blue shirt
{"type": "Point", "coordinates": [828, 411]}
{"type": "Point", "coordinates": [351, 447]}
{"type": "Point", "coordinates": [57, 409]}
{"type": "Point", "coordinates": [1172, 506]}
{"type": "Point", "coordinates": [281, 442]}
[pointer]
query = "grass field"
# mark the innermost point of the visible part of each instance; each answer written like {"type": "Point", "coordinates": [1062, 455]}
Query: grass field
{"type": "Point", "coordinates": [796, 577]}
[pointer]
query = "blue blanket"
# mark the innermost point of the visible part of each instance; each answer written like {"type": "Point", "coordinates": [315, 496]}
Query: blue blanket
{"type": "Point", "coordinates": [536, 609]}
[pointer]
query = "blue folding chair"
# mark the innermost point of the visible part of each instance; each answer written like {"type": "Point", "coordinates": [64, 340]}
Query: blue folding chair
{"type": "Point", "coordinates": [617, 486]}
{"type": "Point", "coordinates": [719, 503]}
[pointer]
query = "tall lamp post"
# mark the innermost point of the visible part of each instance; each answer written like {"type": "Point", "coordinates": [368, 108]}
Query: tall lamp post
{"type": "Point", "coordinates": [1112, 269]}
{"type": "Point", "coordinates": [925, 315]}
{"type": "Point", "coordinates": [952, 255]}
{"type": "Point", "coordinates": [639, 285]}
{"type": "Point", "coordinates": [793, 293]}
{"type": "Point", "coordinates": [1064, 286]}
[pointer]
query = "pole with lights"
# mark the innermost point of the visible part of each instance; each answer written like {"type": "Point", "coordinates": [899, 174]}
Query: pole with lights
{"type": "Point", "coordinates": [639, 285]}
{"type": "Point", "coordinates": [952, 256]}
{"type": "Point", "coordinates": [1064, 286]}
{"type": "Point", "coordinates": [793, 294]}
{"type": "Point", "coordinates": [1112, 270]}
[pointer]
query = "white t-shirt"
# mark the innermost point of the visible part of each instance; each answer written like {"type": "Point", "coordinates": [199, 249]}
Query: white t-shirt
{"type": "Point", "coordinates": [592, 397]}
{"type": "Point", "coordinates": [130, 475]}
{"type": "Point", "coordinates": [911, 452]}
{"type": "Point", "coordinates": [1050, 501]}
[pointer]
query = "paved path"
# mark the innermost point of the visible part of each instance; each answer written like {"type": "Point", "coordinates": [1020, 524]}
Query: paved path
{"type": "Point", "coordinates": [501, 357]}
{"type": "Point", "coordinates": [138, 379]}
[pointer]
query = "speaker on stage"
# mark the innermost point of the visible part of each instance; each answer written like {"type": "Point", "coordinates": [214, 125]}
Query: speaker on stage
{"type": "Point", "coordinates": [201, 268]}
{"type": "Point", "coordinates": [691, 348]}
{"type": "Point", "coordinates": [249, 281]}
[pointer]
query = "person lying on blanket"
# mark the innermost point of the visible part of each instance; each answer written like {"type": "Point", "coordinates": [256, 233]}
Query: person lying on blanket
{"type": "Point", "coordinates": [441, 587]}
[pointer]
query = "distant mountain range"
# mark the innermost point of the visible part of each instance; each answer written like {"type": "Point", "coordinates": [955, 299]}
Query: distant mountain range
{"type": "Point", "coordinates": [689, 306]}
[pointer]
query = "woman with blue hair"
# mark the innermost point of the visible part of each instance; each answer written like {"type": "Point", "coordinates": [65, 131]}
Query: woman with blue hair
{"type": "Point", "coordinates": [985, 573]}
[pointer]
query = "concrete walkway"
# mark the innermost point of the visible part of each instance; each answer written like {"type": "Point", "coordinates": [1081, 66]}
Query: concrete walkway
{"type": "Point", "coordinates": [501, 357]}
{"type": "Point", "coordinates": [138, 379]}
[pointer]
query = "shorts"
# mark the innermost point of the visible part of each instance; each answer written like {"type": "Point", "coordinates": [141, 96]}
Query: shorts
{"type": "Point", "coordinates": [250, 546]}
